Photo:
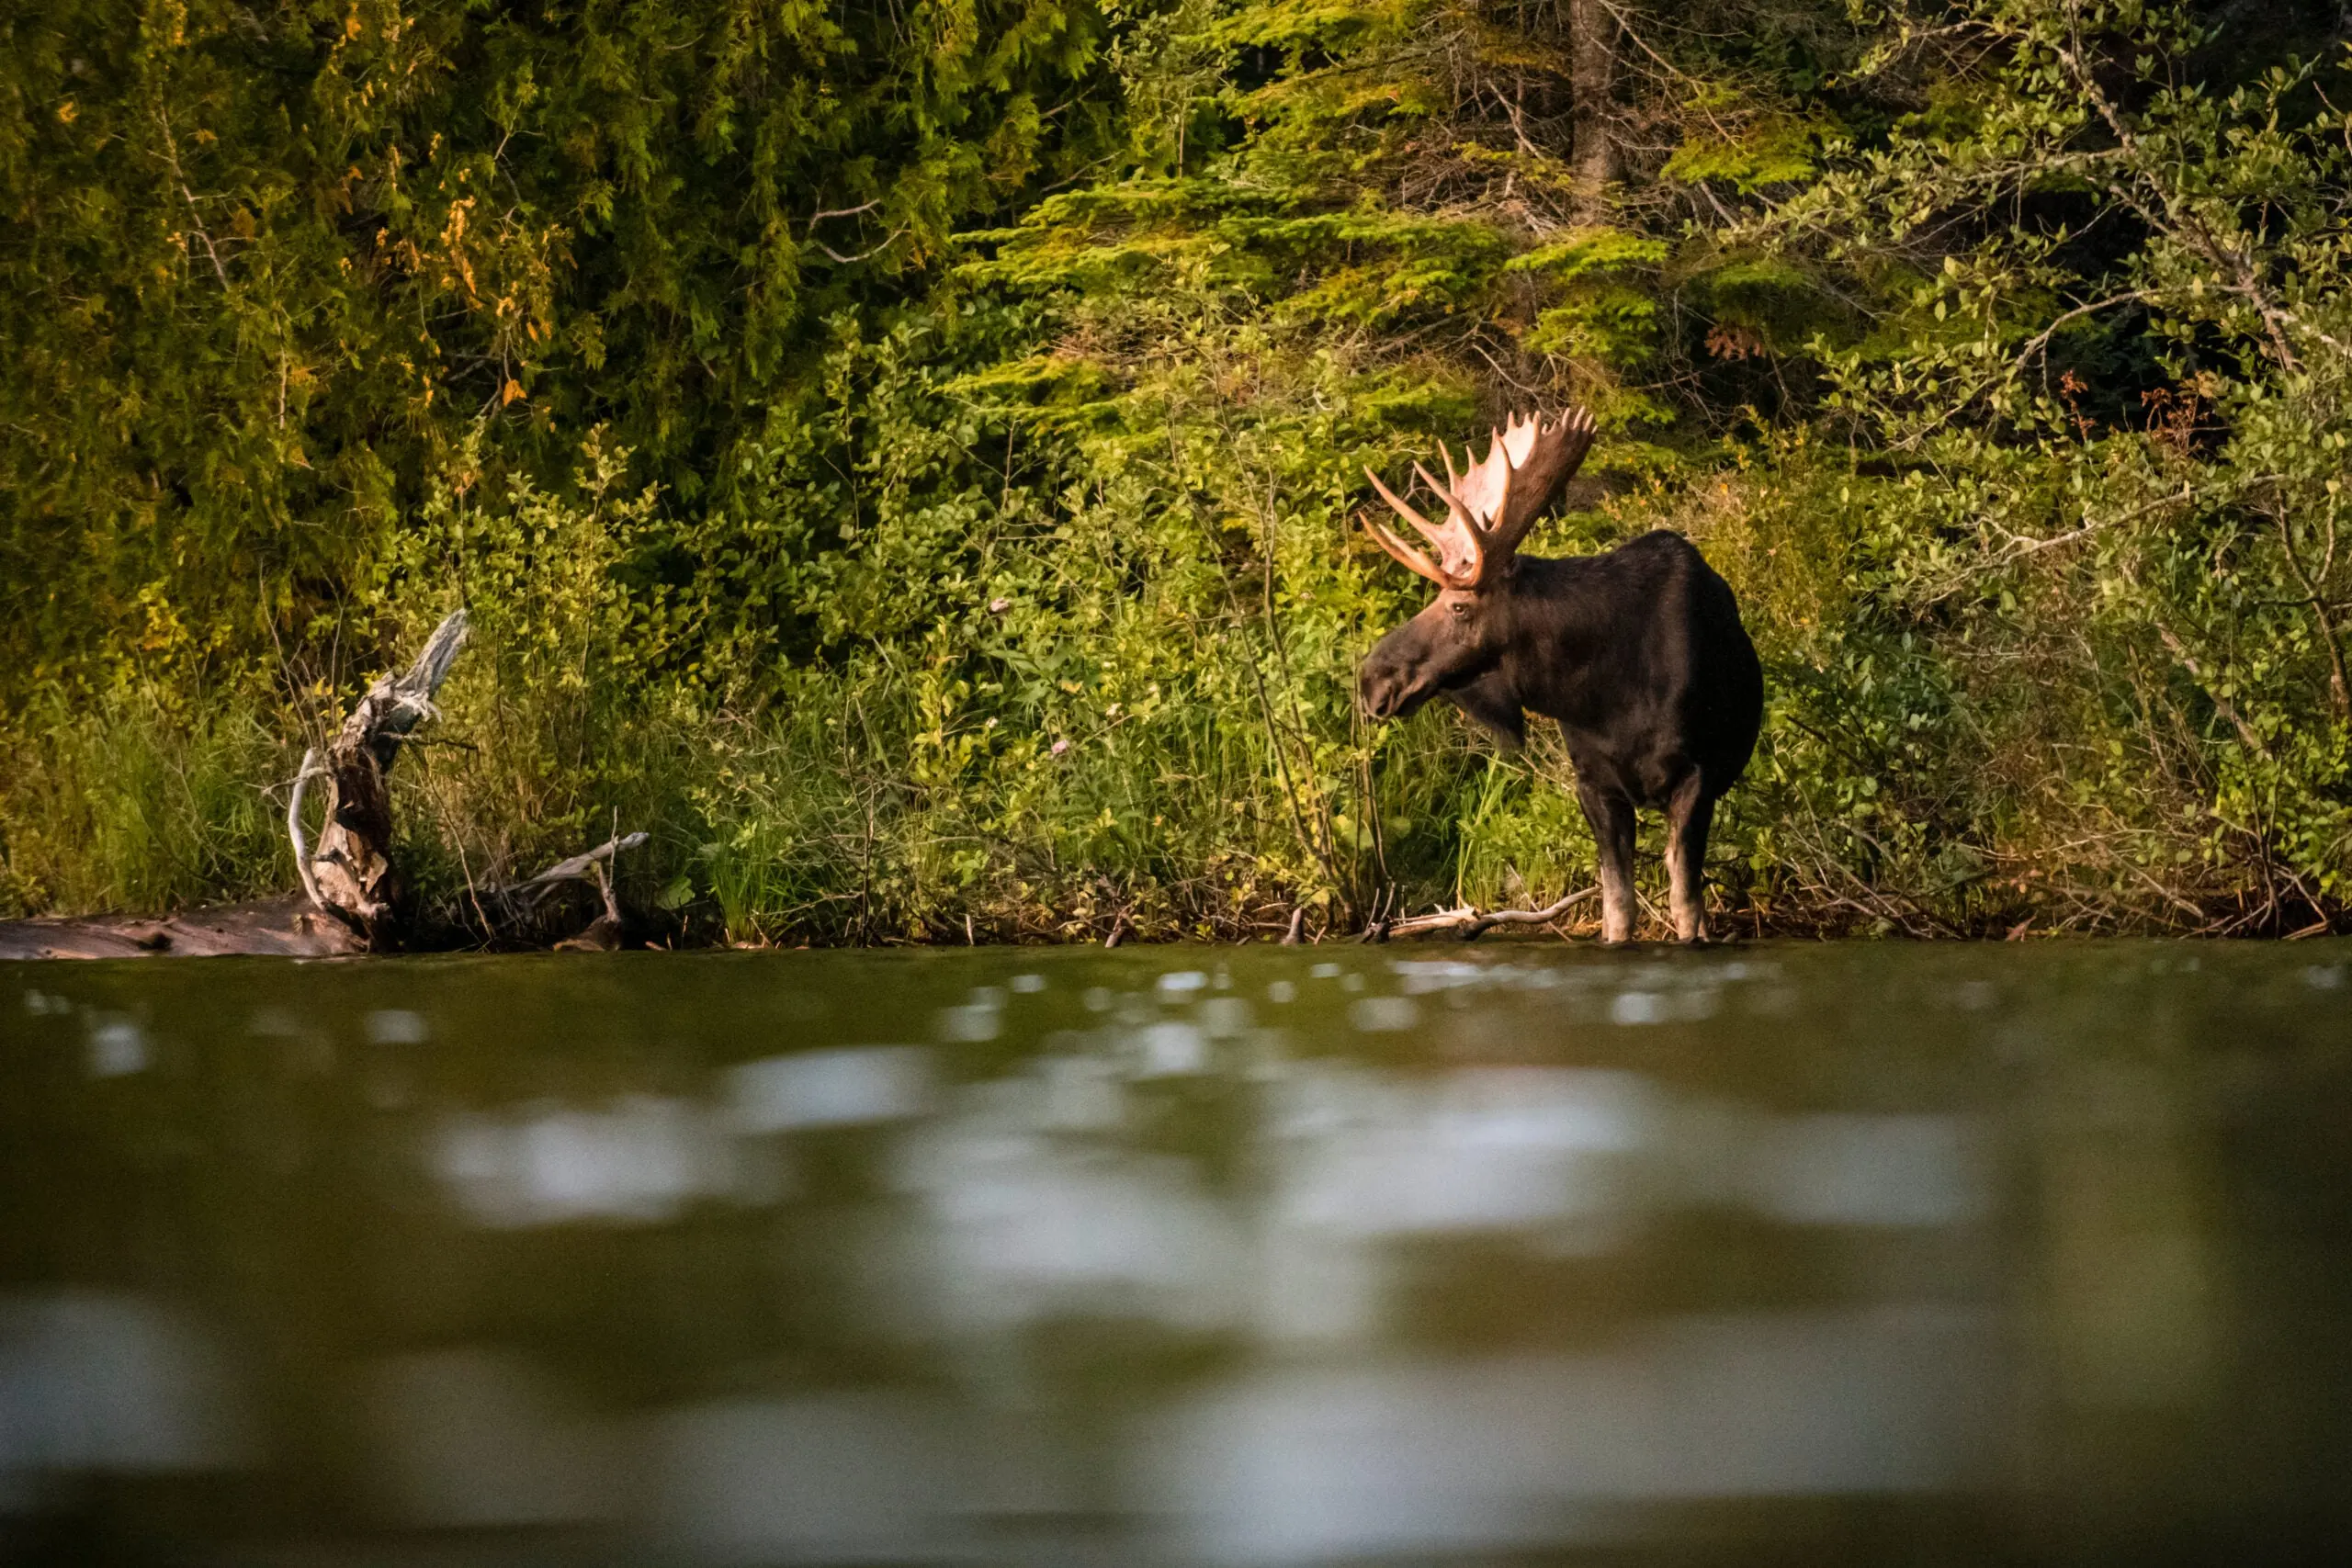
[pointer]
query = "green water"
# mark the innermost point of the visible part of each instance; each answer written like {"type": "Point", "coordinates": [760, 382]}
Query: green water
{"type": "Point", "coordinates": [1426, 1255]}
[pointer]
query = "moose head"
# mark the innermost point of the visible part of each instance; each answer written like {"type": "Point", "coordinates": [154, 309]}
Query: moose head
{"type": "Point", "coordinates": [1489, 506]}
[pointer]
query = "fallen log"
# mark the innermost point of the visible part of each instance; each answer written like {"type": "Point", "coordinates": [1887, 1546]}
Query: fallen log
{"type": "Point", "coordinates": [285, 927]}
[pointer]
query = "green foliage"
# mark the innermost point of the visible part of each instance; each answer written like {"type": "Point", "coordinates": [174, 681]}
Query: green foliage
{"type": "Point", "coordinates": [2114, 528]}
{"type": "Point", "coordinates": [265, 267]}
{"type": "Point", "coordinates": [1770, 151]}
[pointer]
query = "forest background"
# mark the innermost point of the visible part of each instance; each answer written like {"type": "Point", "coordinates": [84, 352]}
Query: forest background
{"type": "Point", "coordinates": [903, 455]}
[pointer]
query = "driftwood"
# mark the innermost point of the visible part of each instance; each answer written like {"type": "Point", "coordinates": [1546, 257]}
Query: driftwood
{"type": "Point", "coordinates": [350, 875]}
{"type": "Point", "coordinates": [604, 933]}
{"type": "Point", "coordinates": [286, 927]}
{"type": "Point", "coordinates": [1472, 923]}
{"type": "Point", "coordinates": [587, 866]}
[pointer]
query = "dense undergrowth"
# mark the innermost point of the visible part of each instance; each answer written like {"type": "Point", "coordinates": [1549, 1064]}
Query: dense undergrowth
{"type": "Point", "coordinates": [905, 460]}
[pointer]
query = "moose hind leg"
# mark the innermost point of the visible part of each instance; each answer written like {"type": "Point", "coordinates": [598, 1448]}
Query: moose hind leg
{"type": "Point", "coordinates": [1689, 814]}
{"type": "Point", "coordinates": [1611, 816]}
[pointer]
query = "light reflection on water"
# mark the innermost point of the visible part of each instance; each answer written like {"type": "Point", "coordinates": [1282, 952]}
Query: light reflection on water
{"type": "Point", "coordinates": [1182, 1256]}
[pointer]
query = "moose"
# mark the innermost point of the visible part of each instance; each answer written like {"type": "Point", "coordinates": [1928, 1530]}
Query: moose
{"type": "Point", "coordinates": [1637, 652]}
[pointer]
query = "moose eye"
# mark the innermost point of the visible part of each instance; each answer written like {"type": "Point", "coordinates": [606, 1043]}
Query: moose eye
{"type": "Point", "coordinates": [1459, 608]}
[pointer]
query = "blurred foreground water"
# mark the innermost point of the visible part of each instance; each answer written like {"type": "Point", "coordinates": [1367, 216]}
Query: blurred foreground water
{"type": "Point", "coordinates": [1425, 1255]}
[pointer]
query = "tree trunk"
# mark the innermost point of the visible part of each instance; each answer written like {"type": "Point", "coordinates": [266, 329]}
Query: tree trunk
{"type": "Point", "coordinates": [1592, 63]}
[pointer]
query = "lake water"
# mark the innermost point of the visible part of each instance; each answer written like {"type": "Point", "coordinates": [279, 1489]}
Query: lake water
{"type": "Point", "coordinates": [1414, 1255]}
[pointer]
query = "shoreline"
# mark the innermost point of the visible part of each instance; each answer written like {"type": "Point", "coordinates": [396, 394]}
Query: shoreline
{"type": "Point", "coordinates": [287, 926]}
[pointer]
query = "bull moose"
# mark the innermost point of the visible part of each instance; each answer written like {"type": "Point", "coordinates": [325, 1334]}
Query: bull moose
{"type": "Point", "coordinates": [1637, 652]}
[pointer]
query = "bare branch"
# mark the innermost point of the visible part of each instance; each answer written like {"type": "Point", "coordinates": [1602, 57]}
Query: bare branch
{"type": "Point", "coordinates": [196, 213]}
{"type": "Point", "coordinates": [311, 769]}
{"type": "Point", "coordinates": [587, 866]}
{"type": "Point", "coordinates": [817, 218]}
{"type": "Point", "coordinates": [862, 256]}
{"type": "Point", "coordinates": [1472, 922]}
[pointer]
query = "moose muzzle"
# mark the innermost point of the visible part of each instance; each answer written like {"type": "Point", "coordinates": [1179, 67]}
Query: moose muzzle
{"type": "Point", "coordinates": [1394, 682]}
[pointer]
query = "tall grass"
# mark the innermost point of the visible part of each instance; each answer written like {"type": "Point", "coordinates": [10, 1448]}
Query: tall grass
{"type": "Point", "coordinates": [135, 802]}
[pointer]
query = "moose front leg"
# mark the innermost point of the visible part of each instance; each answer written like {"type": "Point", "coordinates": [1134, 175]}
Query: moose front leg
{"type": "Point", "coordinates": [1690, 811]}
{"type": "Point", "coordinates": [1611, 816]}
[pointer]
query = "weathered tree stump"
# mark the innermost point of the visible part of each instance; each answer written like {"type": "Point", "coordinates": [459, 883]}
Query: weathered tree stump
{"type": "Point", "coordinates": [351, 876]}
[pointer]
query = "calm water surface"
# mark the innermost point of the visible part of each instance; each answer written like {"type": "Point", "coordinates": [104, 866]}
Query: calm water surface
{"type": "Point", "coordinates": [1411, 1255]}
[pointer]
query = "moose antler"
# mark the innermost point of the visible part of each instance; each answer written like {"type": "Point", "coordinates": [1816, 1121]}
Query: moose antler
{"type": "Point", "coordinates": [1490, 505]}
